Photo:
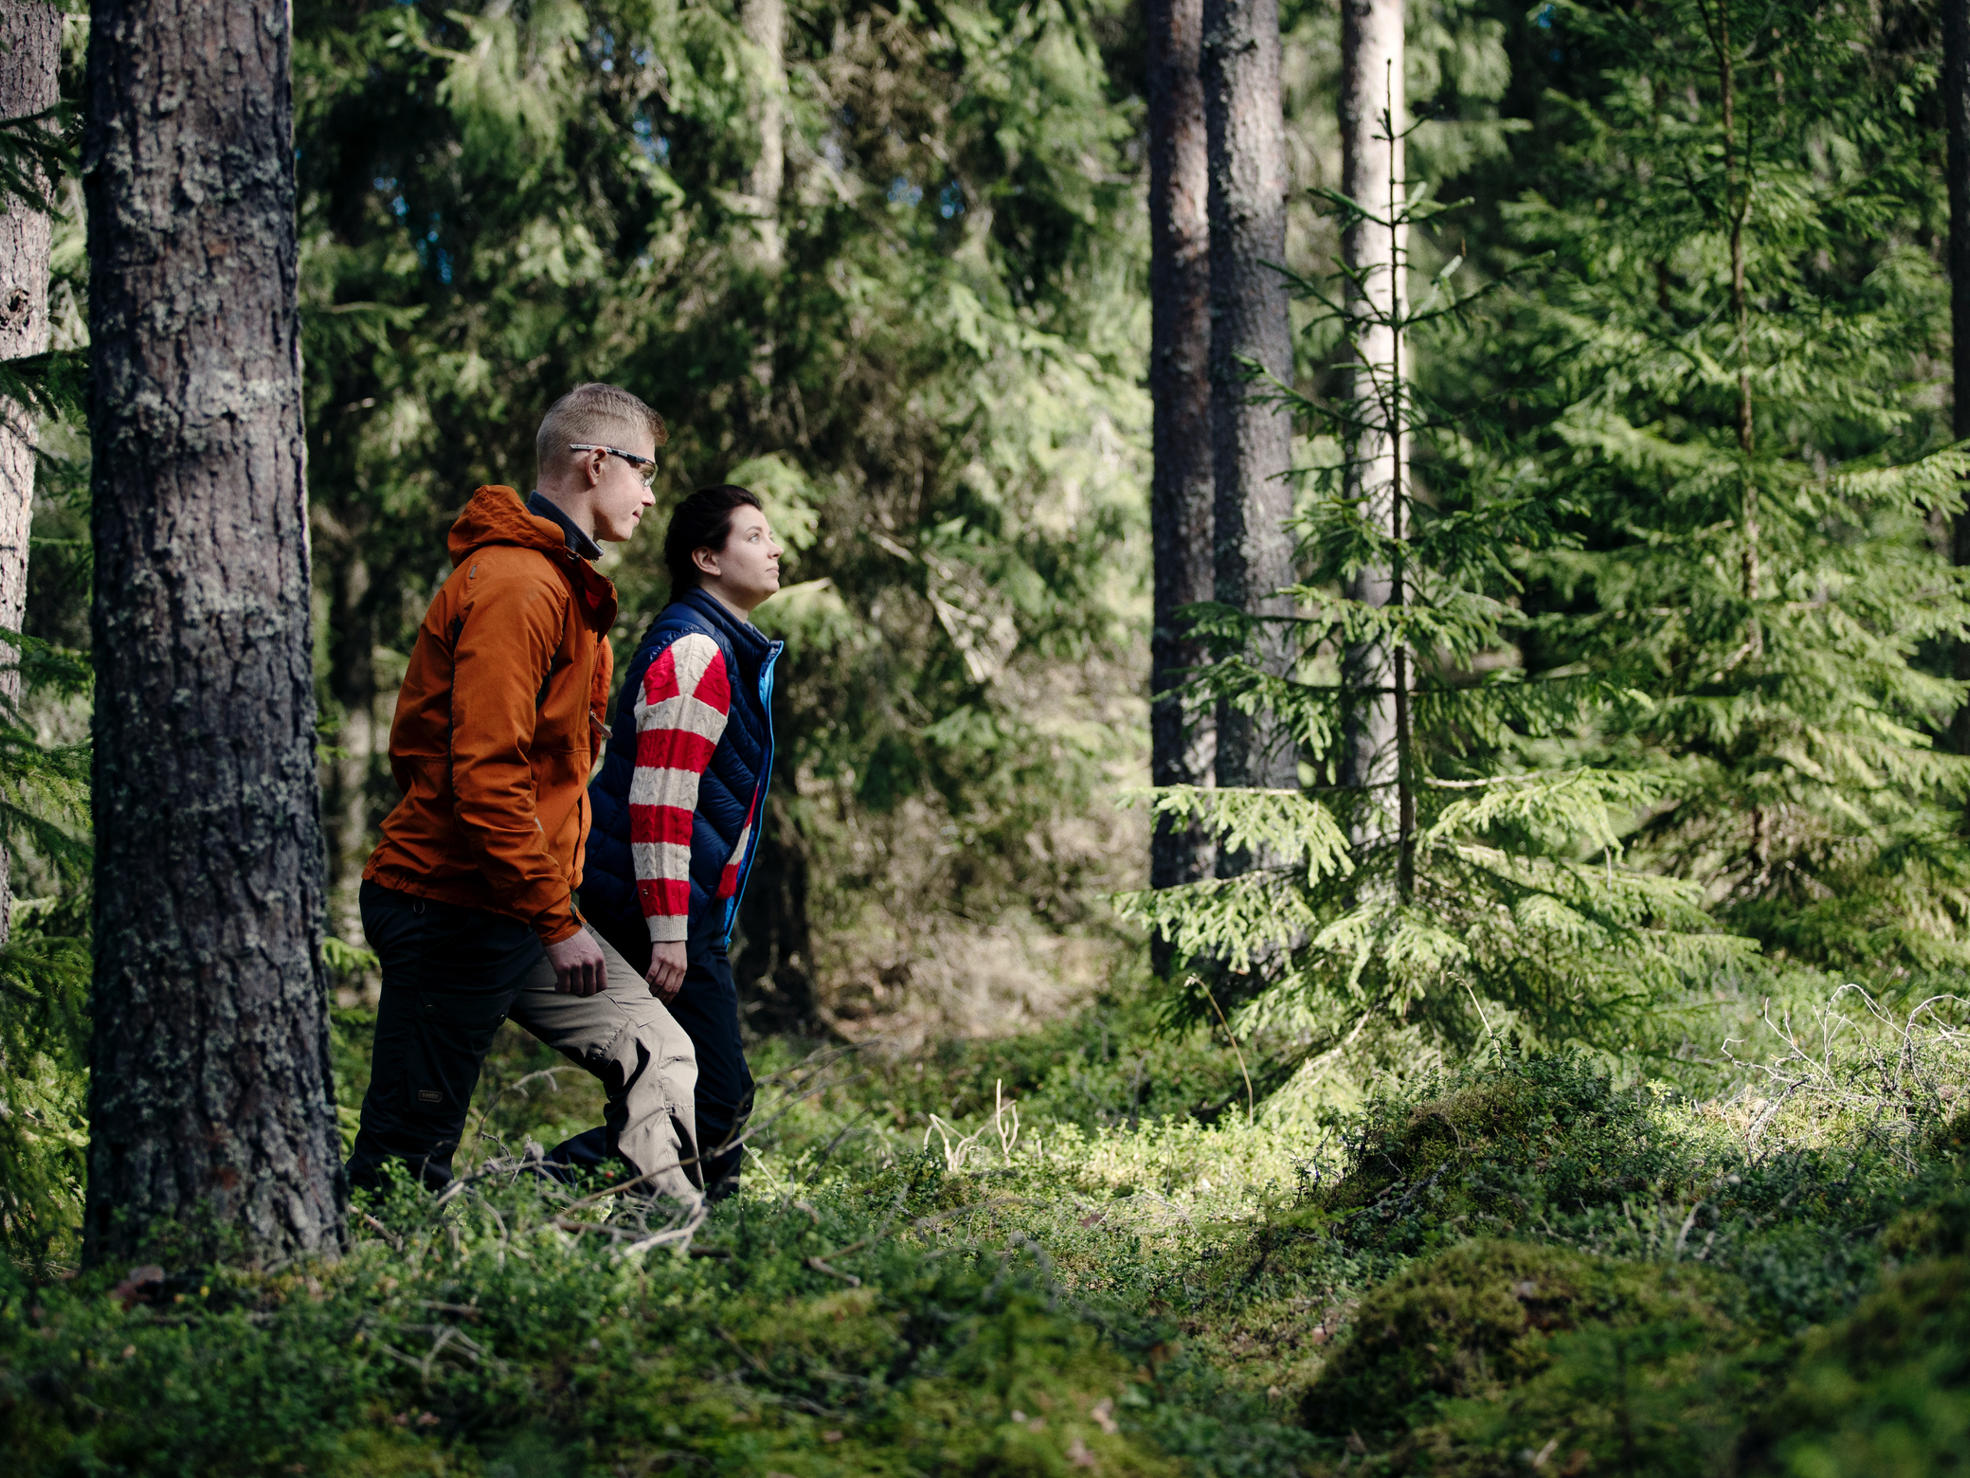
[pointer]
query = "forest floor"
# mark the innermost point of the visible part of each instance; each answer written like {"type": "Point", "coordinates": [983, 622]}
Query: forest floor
{"type": "Point", "coordinates": [1075, 1251]}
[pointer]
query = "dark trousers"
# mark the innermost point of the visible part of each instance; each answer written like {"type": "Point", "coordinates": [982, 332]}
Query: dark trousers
{"type": "Point", "coordinates": [707, 1007]}
{"type": "Point", "coordinates": [451, 975]}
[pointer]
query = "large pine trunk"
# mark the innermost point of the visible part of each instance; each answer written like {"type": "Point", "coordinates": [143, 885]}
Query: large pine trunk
{"type": "Point", "coordinates": [1956, 103]}
{"type": "Point", "coordinates": [1181, 740]}
{"type": "Point", "coordinates": [1251, 433]}
{"type": "Point", "coordinates": [30, 60]}
{"type": "Point", "coordinates": [212, 1122]}
{"type": "Point", "coordinates": [1373, 118]}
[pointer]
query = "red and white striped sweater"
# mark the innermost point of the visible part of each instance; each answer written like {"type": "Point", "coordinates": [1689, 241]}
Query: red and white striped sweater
{"type": "Point", "coordinates": [680, 715]}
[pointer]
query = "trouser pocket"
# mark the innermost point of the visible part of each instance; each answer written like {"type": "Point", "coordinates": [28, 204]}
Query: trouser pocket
{"type": "Point", "coordinates": [430, 1046]}
{"type": "Point", "coordinates": [452, 1036]}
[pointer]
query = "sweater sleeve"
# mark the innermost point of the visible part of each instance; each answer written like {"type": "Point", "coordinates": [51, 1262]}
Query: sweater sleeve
{"type": "Point", "coordinates": [680, 716]}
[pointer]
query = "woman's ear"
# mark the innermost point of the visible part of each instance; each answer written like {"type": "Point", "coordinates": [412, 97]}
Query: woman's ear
{"type": "Point", "coordinates": [706, 559]}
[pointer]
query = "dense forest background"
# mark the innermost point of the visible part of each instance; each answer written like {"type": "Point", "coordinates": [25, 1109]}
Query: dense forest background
{"type": "Point", "coordinates": [1554, 1063]}
{"type": "Point", "coordinates": [892, 270]}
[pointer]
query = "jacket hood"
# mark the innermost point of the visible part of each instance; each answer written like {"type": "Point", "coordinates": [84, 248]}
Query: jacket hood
{"type": "Point", "coordinates": [497, 515]}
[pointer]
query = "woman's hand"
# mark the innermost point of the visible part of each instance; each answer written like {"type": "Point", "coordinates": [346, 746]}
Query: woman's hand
{"type": "Point", "coordinates": [666, 974]}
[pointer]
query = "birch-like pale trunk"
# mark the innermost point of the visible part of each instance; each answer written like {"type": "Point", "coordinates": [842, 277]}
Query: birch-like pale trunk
{"type": "Point", "coordinates": [30, 61]}
{"type": "Point", "coordinates": [764, 25]}
{"type": "Point", "coordinates": [1373, 118]}
{"type": "Point", "coordinates": [773, 959]}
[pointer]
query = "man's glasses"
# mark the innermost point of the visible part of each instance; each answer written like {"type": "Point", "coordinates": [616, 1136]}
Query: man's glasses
{"type": "Point", "coordinates": [646, 467]}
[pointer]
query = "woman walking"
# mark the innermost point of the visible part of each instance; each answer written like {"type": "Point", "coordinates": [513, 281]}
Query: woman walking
{"type": "Point", "coordinates": [679, 800]}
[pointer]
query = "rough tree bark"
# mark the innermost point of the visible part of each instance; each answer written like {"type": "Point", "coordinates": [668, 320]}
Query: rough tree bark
{"type": "Point", "coordinates": [30, 60]}
{"type": "Point", "coordinates": [1373, 115]}
{"type": "Point", "coordinates": [1955, 84]}
{"type": "Point", "coordinates": [212, 1123]}
{"type": "Point", "coordinates": [1182, 743]}
{"type": "Point", "coordinates": [1251, 435]}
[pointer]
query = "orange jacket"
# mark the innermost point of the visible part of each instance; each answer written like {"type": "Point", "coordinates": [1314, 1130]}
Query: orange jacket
{"type": "Point", "coordinates": [493, 740]}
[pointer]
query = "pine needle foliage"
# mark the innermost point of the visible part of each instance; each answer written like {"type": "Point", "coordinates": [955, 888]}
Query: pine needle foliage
{"type": "Point", "coordinates": [1727, 365]}
{"type": "Point", "coordinates": [44, 790]}
{"type": "Point", "coordinates": [44, 969]}
{"type": "Point", "coordinates": [1475, 885]}
{"type": "Point", "coordinates": [37, 150]}
{"type": "Point", "coordinates": [932, 379]}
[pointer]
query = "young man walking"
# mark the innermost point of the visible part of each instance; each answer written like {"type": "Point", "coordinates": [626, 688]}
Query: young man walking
{"type": "Point", "coordinates": [468, 899]}
{"type": "Point", "coordinates": [681, 795]}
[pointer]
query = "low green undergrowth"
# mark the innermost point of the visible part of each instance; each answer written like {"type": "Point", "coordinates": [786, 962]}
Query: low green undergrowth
{"type": "Point", "coordinates": [1069, 1255]}
{"type": "Point", "coordinates": [485, 1338]}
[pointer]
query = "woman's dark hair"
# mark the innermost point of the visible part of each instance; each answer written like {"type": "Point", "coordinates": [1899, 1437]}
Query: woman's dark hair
{"type": "Point", "coordinates": [702, 521]}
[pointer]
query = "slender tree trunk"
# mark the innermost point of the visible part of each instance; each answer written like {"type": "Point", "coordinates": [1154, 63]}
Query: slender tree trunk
{"type": "Point", "coordinates": [764, 23]}
{"type": "Point", "coordinates": [30, 60]}
{"type": "Point", "coordinates": [1374, 115]}
{"type": "Point", "coordinates": [774, 961]}
{"type": "Point", "coordinates": [1737, 200]}
{"type": "Point", "coordinates": [1737, 191]}
{"type": "Point", "coordinates": [1956, 102]}
{"type": "Point", "coordinates": [212, 1122]}
{"type": "Point", "coordinates": [1181, 742]}
{"type": "Point", "coordinates": [351, 680]}
{"type": "Point", "coordinates": [1251, 434]}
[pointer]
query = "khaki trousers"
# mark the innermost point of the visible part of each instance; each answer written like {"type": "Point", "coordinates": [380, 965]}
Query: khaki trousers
{"type": "Point", "coordinates": [451, 975]}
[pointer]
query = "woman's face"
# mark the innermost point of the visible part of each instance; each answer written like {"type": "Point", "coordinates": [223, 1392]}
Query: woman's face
{"type": "Point", "coordinates": [747, 570]}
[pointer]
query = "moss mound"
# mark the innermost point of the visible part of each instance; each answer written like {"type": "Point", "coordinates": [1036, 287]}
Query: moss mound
{"type": "Point", "coordinates": [1548, 1131]}
{"type": "Point", "coordinates": [1883, 1394]}
{"type": "Point", "coordinates": [1951, 1139]}
{"type": "Point", "coordinates": [1939, 1229]}
{"type": "Point", "coordinates": [1480, 1319]}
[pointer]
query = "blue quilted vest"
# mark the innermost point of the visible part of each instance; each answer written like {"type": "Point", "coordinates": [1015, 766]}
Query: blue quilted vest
{"type": "Point", "coordinates": [740, 769]}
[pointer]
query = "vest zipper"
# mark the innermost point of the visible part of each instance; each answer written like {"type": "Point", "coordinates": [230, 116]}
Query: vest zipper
{"type": "Point", "coordinates": [759, 796]}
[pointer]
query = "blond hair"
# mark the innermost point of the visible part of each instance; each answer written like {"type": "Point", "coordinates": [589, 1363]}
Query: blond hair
{"type": "Point", "coordinates": [604, 415]}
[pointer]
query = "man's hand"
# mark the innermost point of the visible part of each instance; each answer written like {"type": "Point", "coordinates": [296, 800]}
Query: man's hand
{"type": "Point", "coordinates": [579, 969]}
{"type": "Point", "coordinates": [666, 975]}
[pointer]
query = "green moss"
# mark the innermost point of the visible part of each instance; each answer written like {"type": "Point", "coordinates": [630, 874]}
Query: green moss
{"type": "Point", "coordinates": [1951, 1138]}
{"type": "Point", "coordinates": [1882, 1394]}
{"type": "Point", "coordinates": [1548, 1132]}
{"type": "Point", "coordinates": [1480, 1319]}
{"type": "Point", "coordinates": [918, 1185]}
{"type": "Point", "coordinates": [486, 1336]}
{"type": "Point", "coordinates": [1938, 1229]}
{"type": "Point", "coordinates": [1017, 1316]}
{"type": "Point", "coordinates": [1664, 1397]}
